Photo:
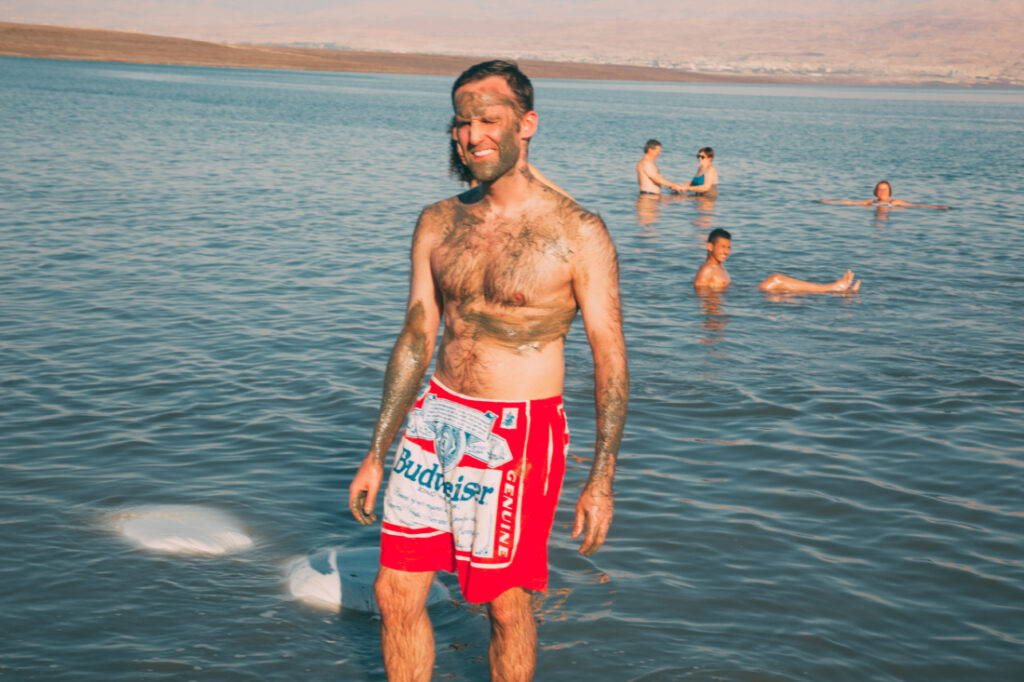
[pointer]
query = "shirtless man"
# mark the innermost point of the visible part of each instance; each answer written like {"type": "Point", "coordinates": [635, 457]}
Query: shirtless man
{"type": "Point", "coordinates": [476, 480]}
{"type": "Point", "coordinates": [883, 197]}
{"type": "Point", "coordinates": [647, 173]}
{"type": "Point", "coordinates": [713, 276]}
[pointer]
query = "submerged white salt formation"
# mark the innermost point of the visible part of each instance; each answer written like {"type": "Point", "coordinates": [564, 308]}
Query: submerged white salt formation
{"type": "Point", "coordinates": [335, 578]}
{"type": "Point", "coordinates": [182, 529]}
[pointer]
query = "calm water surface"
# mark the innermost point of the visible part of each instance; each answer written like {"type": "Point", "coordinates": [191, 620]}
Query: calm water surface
{"type": "Point", "coordinates": [202, 272]}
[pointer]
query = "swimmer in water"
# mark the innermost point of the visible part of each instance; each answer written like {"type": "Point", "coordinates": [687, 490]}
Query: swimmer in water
{"type": "Point", "coordinates": [713, 276]}
{"type": "Point", "coordinates": [883, 197]}
{"type": "Point", "coordinates": [705, 182]}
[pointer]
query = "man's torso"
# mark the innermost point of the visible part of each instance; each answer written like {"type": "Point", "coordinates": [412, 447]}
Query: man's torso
{"type": "Point", "coordinates": [712, 276]}
{"type": "Point", "coordinates": [644, 168]}
{"type": "Point", "coordinates": [506, 284]}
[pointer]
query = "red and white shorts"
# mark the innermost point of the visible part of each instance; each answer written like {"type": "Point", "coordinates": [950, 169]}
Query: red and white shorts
{"type": "Point", "coordinates": [474, 489]}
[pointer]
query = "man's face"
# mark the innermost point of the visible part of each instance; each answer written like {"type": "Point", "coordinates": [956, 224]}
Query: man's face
{"type": "Point", "coordinates": [655, 152]}
{"type": "Point", "coordinates": [719, 251]}
{"type": "Point", "coordinates": [490, 133]}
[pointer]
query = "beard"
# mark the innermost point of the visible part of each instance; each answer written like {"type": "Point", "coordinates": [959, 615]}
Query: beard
{"type": "Point", "coordinates": [490, 168]}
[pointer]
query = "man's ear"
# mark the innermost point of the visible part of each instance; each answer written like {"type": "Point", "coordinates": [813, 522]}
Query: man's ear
{"type": "Point", "coordinates": [528, 125]}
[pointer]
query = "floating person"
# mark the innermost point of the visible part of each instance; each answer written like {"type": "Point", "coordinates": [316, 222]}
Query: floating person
{"type": "Point", "coordinates": [476, 478]}
{"type": "Point", "coordinates": [712, 275]}
{"type": "Point", "coordinates": [647, 173]}
{"type": "Point", "coordinates": [705, 182]}
{"type": "Point", "coordinates": [883, 197]}
{"type": "Point", "coordinates": [457, 167]}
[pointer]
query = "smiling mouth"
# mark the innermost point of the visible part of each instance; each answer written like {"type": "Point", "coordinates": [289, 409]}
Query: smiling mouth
{"type": "Point", "coordinates": [482, 153]}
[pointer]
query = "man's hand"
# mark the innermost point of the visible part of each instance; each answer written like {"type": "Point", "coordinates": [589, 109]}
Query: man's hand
{"type": "Point", "coordinates": [594, 512]}
{"type": "Point", "coordinates": [362, 494]}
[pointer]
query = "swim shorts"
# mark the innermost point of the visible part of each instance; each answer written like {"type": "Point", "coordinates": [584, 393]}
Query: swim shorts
{"type": "Point", "coordinates": [474, 490]}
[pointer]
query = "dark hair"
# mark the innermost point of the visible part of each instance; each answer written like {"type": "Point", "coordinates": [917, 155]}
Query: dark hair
{"type": "Point", "coordinates": [651, 144]}
{"type": "Point", "coordinates": [707, 151]}
{"type": "Point", "coordinates": [456, 166]}
{"type": "Point", "coordinates": [517, 81]}
{"type": "Point", "coordinates": [880, 183]}
{"type": "Point", "coordinates": [718, 233]}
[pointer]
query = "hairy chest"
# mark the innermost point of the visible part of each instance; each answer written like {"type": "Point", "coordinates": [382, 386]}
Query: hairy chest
{"type": "Point", "coordinates": [510, 265]}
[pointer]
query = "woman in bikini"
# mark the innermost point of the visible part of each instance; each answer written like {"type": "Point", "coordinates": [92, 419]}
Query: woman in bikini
{"type": "Point", "coordinates": [705, 182]}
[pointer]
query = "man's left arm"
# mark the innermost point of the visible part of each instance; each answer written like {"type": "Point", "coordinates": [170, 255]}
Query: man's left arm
{"type": "Point", "coordinates": [596, 286]}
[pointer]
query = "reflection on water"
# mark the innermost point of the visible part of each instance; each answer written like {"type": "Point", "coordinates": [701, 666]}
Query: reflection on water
{"type": "Point", "coordinates": [705, 219]}
{"type": "Point", "coordinates": [647, 206]}
{"type": "Point", "coordinates": [783, 296]}
{"type": "Point", "coordinates": [650, 208]}
{"type": "Point", "coordinates": [881, 214]}
{"type": "Point", "coordinates": [715, 319]}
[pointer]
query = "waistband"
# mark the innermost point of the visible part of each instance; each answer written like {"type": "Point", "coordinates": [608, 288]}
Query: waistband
{"type": "Point", "coordinates": [438, 388]}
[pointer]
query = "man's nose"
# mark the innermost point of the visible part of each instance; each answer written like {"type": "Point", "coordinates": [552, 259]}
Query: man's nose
{"type": "Point", "coordinates": [476, 132]}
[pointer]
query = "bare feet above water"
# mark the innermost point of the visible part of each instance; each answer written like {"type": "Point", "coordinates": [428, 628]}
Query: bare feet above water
{"type": "Point", "coordinates": [846, 283]}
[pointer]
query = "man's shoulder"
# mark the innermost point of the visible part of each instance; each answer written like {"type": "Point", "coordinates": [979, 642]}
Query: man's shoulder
{"type": "Point", "coordinates": [570, 214]}
{"type": "Point", "coordinates": [445, 209]}
{"type": "Point", "coordinates": [707, 274]}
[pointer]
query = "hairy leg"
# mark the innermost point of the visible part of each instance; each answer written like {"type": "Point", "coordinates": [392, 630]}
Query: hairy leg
{"type": "Point", "coordinates": [406, 637]}
{"type": "Point", "coordinates": [513, 651]}
{"type": "Point", "coordinates": [791, 285]}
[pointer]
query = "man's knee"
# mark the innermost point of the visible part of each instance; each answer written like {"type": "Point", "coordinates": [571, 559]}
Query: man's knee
{"type": "Point", "coordinates": [511, 608]}
{"type": "Point", "coordinates": [401, 594]}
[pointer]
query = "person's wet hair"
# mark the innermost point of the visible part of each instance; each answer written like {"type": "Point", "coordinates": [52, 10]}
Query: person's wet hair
{"type": "Point", "coordinates": [718, 233]}
{"type": "Point", "coordinates": [651, 144]}
{"type": "Point", "coordinates": [707, 151]}
{"type": "Point", "coordinates": [880, 183]}
{"type": "Point", "coordinates": [517, 81]}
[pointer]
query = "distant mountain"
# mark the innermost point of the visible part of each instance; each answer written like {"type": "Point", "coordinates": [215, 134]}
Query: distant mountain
{"type": "Point", "coordinates": [948, 41]}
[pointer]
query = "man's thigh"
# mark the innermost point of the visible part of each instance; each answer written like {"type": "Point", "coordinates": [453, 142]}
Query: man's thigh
{"type": "Point", "coordinates": [405, 590]}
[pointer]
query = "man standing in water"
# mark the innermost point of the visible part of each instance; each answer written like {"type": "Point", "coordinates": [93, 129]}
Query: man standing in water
{"type": "Point", "coordinates": [647, 173]}
{"type": "Point", "coordinates": [479, 469]}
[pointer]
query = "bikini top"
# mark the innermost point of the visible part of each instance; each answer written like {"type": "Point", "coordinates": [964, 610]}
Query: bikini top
{"type": "Point", "coordinates": [698, 180]}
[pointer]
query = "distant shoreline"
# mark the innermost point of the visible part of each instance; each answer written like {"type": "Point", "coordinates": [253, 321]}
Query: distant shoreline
{"type": "Point", "coordinates": [56, 42]}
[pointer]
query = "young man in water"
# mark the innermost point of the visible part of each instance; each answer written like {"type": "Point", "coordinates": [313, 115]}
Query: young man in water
{"type": "Point", "coordinates": [712, 275]}
{"type": "Point", "coordinates": [476, 480]}
{"type": "Point", "coordinates": [647, 174]}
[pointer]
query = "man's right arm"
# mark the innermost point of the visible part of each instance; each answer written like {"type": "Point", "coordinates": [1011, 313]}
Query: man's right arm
{"type": "Point", "coordinates": [407, 365]}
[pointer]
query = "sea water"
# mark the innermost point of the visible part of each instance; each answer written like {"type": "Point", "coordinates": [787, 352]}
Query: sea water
{"type": "Point", "coordinates": [202, 272]}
